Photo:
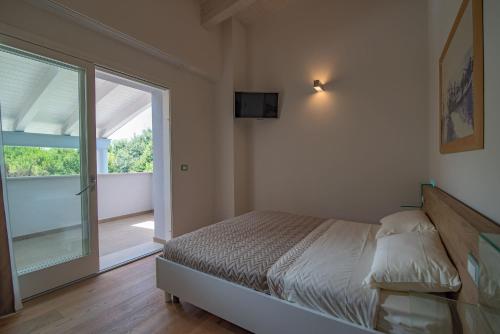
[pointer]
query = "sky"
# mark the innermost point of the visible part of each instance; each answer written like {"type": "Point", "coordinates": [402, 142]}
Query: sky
{"type": "Point", "coordinates": [135, 126]}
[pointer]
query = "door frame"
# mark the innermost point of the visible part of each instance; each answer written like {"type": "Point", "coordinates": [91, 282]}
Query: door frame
{"type": "Point", "coordinates": [162, 137]}
{"type": "Point", "coordinates": [44, 280]}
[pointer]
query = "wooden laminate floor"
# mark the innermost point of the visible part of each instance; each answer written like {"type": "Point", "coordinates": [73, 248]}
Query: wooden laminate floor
{"type": "Point", "coordinates": [124, 300]}
{"type": "Point", "coordinates": [123, 233]}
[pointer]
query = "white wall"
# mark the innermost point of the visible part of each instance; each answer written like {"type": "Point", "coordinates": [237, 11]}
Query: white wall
{"type": "Point", "coordinates": [172, 26]}
{"type": "Point", "coordinates": [358, 150]}
{"type": "Point", "coordinates": [192, 96]}
{"type": "Point", "coordinates": [224, 130]}
{"type": "Point", "coordinates": [123, 194]}
{"type": "Point", "coordinates": [232, 137]}
{"type": "Point", "coordinates": [39, 204]}
{"type": "Point", "coordinates": [242, 127]}
{"type": "Point", "coordinates": [473, 177]}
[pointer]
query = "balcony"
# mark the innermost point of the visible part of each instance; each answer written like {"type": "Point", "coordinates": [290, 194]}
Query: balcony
{"type": "Point", "coordinates": [126, 221]}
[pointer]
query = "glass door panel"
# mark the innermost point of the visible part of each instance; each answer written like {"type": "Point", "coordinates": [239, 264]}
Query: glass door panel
{"type": "Point", "coordinates": [44, 111]}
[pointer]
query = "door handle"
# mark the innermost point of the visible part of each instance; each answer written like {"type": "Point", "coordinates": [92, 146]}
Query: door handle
{"type": "Point", "coordinates": [88, 186]}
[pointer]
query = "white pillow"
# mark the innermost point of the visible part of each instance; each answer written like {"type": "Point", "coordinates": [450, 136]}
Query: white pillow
{"type": "Point", "coordinates": [413, 261]}
{"type": "Point", "coordinates": [404, 221]}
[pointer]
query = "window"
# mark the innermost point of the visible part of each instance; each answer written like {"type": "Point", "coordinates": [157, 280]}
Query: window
{"type": "Point", "coordinates": [41, 161]}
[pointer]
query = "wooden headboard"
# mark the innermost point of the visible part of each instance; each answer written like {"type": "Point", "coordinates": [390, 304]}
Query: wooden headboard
{"type": "Point", "coordinates": [459, 227]}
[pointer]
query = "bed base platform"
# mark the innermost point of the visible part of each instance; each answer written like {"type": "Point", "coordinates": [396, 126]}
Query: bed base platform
{"type": "Point", "coordinates": [169, 298]}
{"type": "Point", "coordinates": [247, 308]}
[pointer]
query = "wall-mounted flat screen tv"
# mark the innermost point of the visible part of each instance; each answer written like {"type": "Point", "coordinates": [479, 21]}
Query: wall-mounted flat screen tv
{"type": "Point", "coordinates": [255, 105]}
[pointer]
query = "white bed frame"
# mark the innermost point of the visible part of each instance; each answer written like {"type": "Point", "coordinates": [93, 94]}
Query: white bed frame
{"type": "Point", "coordinates": [247, 308]}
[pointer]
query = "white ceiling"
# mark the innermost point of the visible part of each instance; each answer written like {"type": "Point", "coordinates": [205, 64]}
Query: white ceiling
{"type": "Point", "coordinates": [116, 104]}
{"type": "Point", "coordinates": [41, 97]}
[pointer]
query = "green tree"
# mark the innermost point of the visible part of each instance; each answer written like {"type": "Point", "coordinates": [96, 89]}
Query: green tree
{"type": "Point", "coordinates": [132, 155]}
{"type": "Point", "coordinates": [41, 161]}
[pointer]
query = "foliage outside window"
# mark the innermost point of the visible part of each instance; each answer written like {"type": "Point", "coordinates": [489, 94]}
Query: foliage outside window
{"type": "Point", "coordinates": [124, 156]}
{"type": "Point", "coordinates": [131, 155]}
{"type": "Point", "coordinates": [41, 161]}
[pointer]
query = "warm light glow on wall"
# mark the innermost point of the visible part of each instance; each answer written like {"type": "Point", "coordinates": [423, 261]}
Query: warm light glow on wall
{"type": "Point", "coordinates": [320, 106]}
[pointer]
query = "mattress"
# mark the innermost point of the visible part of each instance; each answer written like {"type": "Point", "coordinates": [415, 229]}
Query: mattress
{"type": "Point", "coordinates": [242, 249]}
{"type": "Point", "coordinates": [327, 276]}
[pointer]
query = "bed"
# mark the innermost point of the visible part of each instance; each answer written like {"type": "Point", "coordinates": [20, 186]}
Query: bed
{"type": "Point", "coordinates": [274, 272]}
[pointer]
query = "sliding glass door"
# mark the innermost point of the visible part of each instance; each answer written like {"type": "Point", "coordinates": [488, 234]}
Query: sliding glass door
{"type": "Point", "coordinates": [48, 164]}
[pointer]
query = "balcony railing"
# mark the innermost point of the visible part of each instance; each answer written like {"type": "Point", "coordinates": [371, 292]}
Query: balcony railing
{"type": "Point", "coordinates": [44, 203]}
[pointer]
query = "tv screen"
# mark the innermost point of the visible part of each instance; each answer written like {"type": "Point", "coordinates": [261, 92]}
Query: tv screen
{"type": "Point", "coordinates": [255, 105]}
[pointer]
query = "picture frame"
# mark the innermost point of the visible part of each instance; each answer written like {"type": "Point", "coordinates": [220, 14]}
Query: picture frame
{"type": "Point", "coordinates": [461, 82]}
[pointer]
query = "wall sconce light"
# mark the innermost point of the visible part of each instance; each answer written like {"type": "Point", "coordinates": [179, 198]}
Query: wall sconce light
{"type": "Point", "coordinates": [318, 86]}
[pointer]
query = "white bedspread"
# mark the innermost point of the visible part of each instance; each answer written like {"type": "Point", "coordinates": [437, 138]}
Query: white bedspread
{"type": "Point", "coordinates": [328, 275]}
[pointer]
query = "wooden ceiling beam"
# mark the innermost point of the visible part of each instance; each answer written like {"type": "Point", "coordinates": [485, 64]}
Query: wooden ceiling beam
{"type": "Point", "coordinates": [214, 12]}
{"type": "Point", "coordinates": [70, 125]}
{"type": "Point", "coordinates": [29, 109]}
{"type": "Point", "coordinates": [135, 108]}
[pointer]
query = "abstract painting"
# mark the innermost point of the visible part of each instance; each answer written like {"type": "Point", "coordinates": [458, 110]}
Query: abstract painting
{"type": "Point", "coordinates": [461, 72]}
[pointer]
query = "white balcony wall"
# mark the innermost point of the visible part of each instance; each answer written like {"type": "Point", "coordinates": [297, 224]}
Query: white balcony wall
{"type": "Point", "coordinates": [123, 194]}
{"type": "Point", "coordinates": [39, 204]}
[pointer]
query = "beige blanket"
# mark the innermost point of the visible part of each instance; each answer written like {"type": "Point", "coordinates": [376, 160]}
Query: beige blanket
{"type": "Point", "coordinates": [241, 249]}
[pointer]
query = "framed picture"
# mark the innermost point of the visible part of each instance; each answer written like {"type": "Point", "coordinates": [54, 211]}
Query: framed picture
{"type": "Point", "coordinates": [461, 73]}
